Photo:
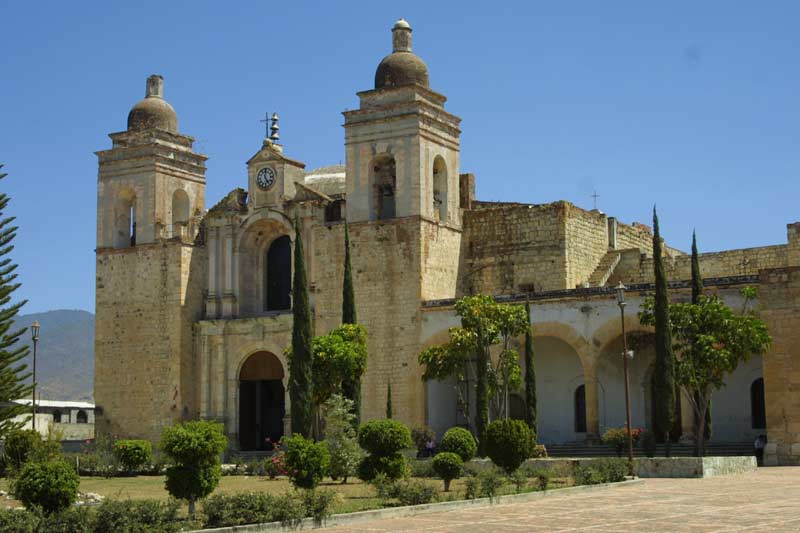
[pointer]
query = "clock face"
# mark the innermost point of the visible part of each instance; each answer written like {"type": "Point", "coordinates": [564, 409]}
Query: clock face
{"type": "Point", "coordinates": [265, 177]}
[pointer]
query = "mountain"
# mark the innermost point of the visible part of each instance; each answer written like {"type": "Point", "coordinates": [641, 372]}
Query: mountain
{"type": "Point", "coordinates": [65, 354]}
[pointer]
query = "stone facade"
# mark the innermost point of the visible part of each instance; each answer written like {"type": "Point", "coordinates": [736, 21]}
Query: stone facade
{"type": "Point", "coordinates": [194, 310]}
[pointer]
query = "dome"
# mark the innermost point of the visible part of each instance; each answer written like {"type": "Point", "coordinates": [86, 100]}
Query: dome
{"type": "Point", "coordinates": [153, 111]}
{"type": "Point", "coordinates": [402, 66]}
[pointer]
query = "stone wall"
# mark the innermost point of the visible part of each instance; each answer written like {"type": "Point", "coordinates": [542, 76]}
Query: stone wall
{"type": "Point", "coordinates": [636, 267]}
{"type": "Point", "coordinates": [780, 299]}
{"type": "Point", "coordinates": [586, 243]}
{"type": "Point", "coordinates": [514, 248]}
{"type": "Point", "coordinates": [147, 298]}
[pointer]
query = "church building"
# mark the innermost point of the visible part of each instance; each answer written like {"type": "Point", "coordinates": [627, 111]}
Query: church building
{"type": "Point", "coordinates": [193, 304]}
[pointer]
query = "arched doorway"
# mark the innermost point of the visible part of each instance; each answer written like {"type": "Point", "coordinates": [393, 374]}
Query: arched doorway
{"type": "Point", "coordinates": [558, 374]}
{"type": "Point", "coordinates": [261, 401]}
{"type": "Point", "coordinates": [758, 409]}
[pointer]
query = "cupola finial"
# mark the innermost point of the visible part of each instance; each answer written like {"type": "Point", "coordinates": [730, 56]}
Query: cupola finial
{"type": "Point", "coordinates": [401, 36]}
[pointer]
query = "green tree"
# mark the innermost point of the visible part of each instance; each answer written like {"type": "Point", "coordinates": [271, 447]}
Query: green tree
{"type": "Point", "coordinates": [300, 355]}
{"type": "Point", "coordinates": [194, 448]}
{"type": "Point", "coordinates": [340, 436]}
{"type": "Point", "coordinates": [697, 291]}
{"type": "Point", "coordinates": [338, 357]}
{"type": "Point", "coordinates": [531, 414]}
{"type": "Point", "coordinates": [13, 372]}
{"type": "Point", "coordinates": [351, 387]}
{"type": "Point", "coordinates": [711, 341]}
{"type": "Point", "coordinates": [484, 324]}
{"type": "Point", "coordinates": [664, 372]}
{"type": "Point", "coordinates": [389, 400]}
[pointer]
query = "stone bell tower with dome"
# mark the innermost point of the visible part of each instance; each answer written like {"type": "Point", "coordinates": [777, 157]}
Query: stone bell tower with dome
{"type": "Point", "coordinates": [149, 279]}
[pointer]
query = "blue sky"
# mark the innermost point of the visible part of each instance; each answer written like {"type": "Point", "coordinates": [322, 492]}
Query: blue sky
{"type": "Point", "coordinates": [690, 105]}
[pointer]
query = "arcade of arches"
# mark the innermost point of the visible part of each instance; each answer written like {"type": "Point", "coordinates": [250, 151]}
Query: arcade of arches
{"type": "Point", "coordinates": [571, 407]}
{"type": "Point", "coordinates": [262, 401]}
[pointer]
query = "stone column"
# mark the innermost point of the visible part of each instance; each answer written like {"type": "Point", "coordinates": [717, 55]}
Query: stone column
{"type": "Point", "coordinates": [592, 403]}
{"type": "Point", "coordinates": [212, 308]}
{"type": "Point", "coordinates": [227, 277]}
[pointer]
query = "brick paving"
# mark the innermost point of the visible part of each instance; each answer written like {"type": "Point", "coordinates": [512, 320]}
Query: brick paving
{"type": "Point", "coordinates": [765, 500]}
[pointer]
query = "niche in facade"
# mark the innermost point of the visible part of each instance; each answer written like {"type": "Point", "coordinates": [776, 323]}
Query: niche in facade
{"type": "Point", "coordinates": [384, 179]}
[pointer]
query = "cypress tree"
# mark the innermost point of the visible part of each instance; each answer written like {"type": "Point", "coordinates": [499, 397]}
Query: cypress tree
{"type": "Point", "coordinates": [481, 399]}
{"type": "Point", "coordinates": [350, 387]}
{"type": "Point", "coordinates": [13, 373]}
{"type": "Point", "coordinates": [300, 377]}
{"type": "Point", "coordinates": [697, 290]}
{"type": "Point", "coordinates": [531, 415]}
{"type": "Point", "coordinates": [389, 400]}
{"type": "Point", "coordinates": [664, 386]}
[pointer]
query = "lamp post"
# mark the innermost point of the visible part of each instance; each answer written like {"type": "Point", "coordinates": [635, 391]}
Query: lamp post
{"type": "Point", "coordinates": [625, 355]}
{"type": "Point", "coordinates": [35, 336]}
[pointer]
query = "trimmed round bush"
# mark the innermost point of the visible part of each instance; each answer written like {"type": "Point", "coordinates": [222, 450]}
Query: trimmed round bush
{"type": "Point", "coordinates": [133, 454]}
{"type": "Point", "coordinates": [306, 461]}
{"type": "Point", "coordinates": [447, 466]}
{"type": "Point", "coordinates": [460, 442]}
{"type": "Point", "coordinates": [384, 437]}
{"type": "Point", "coordinates": [393, 467]}
{"type": "Point", "coordinates": [508, 443]}
{"type": "Point", "coordinates": [51, 485]}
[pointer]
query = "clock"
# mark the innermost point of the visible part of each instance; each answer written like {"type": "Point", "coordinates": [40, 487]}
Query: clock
{"type": "Point", "coordinates": [265, 178]}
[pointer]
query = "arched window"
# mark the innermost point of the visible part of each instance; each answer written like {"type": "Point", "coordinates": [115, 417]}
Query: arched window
{"type": "Point", "coordinates": [125, 219]}
{"type": "Point", "coordinates": [384, 181]}
{"type": "Point", "coordinates": [758, 411]}
{"type": "Point", "coordinates": [278, 275]}
{"type": "Point", "coordinates": [580, 409]}
{"type": "Point", "coordinates": [57, 416]}
{"type": "Point", "coordinates": [82, 417]}
{"type": "Point", "coordinates": [180, 211]}
{"type": "Point", "coordinates": [440, 188]}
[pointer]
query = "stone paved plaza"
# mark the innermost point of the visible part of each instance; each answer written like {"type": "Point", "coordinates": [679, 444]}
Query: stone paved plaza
{"type": "Point", "coordinates": [765, 500]}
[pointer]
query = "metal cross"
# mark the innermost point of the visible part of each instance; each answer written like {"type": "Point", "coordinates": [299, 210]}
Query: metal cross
{"type": "Point", "coordinates": [265, 121]}
{"type": "Point", "coordinates": [595, 196]}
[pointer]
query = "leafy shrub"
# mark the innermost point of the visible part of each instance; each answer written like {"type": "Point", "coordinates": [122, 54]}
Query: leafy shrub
{"type": "Point", "coordinates": [382, 485]}
{"type": "Point", "coordinates": [472, 486]}
{"type": "Point", "coordinates": [133, 454]}
{"type": "Point", "coordinates": [586, 475]}
{"type": "Point", "coordinates": [15, 521]}
{"type": "Point", "coordinates": [384, 437]}
{"type": "Point", "coordinates": [306, 461]}
{"type": "Point", "coordinates": [340, 437]}
{"type": "Point", "coordinates": [225, 510]}
{"type": "Point", "coordinates": [393, 467]}
{"type": "Point", "coordinates": [447, 466]}
{"type": "Point", "coordinates": [51, 485]}
{"type": "Point", "coordinates": [319, 504]}
{"type": "Point", "coordinates": [413, 492]}
{"type": "Point", "coordinates": [289, 510]}
{"type": "Point", "coordinates": [72, 519]}
{"type": "Point", "coordinates": [617, 438]}
{"type": "Point", "coordinates": [519, 478]}
{"type": "Point", "coordinates": [491, 481]}
{"type": "Point", "coordinates": [421, 467]}
{"type": "Point", "coordinates": [421, 436]}
{"type": "Point", "coordinates": [20, 445]}
{"type": "Point", "coordinates": [195, 447]}
{"type": "Point", "coordinates": [612, 470]}
{"type": "Point", "coordinates": [542, 476]}
{"type": "Point", "coordinates": [275, 465]}
{"type": "Point", "coordinates": [508, 443]}
{"type": "Point", "coordinates": [539, 451]}
{"type": "Point", "coordinates": [460, 442]}
{"type": "Point", "coordinates": [648, 440]}
{"type": "Point", "coordinates": [137, 516]}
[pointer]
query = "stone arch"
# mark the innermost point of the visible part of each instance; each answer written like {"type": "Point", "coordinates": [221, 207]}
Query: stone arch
{"type": "Point", "coordinates": [441, 397]}
{"type": "Point", "coordinates": [181, 210]}
{"type": "Point", "coordinates": [440, 188]}
{"type": "Point", "coordinates": [125, 214]}
{"type": "Point", "coordinates": [731, 409]}
{"type": "Point", "coordinates": [383, 178]}
{"type": "Point", "coordinates": [256, 237]}
{"type": "Point", "coordinates": [261, 405]}
{"type": "Point", "coordinates": [611, 379]}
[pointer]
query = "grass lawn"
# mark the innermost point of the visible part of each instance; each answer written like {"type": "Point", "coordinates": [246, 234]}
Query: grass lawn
{"type": "Point", "coordinates": [356, 496]}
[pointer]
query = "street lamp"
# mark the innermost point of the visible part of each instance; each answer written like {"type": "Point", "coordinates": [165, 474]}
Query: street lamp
{"type": "Point", "coordinates": [35, 336]}
{"type": "Point", "coordinates": [625, 356]}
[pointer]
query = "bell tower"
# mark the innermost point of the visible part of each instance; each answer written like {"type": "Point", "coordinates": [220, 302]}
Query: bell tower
{"type": "Point", "coordinates": [402, 147]}
{"type": "Point", "coordinates": [271, 176]}
{"type": "Point", "coordinates": [150, 272]}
